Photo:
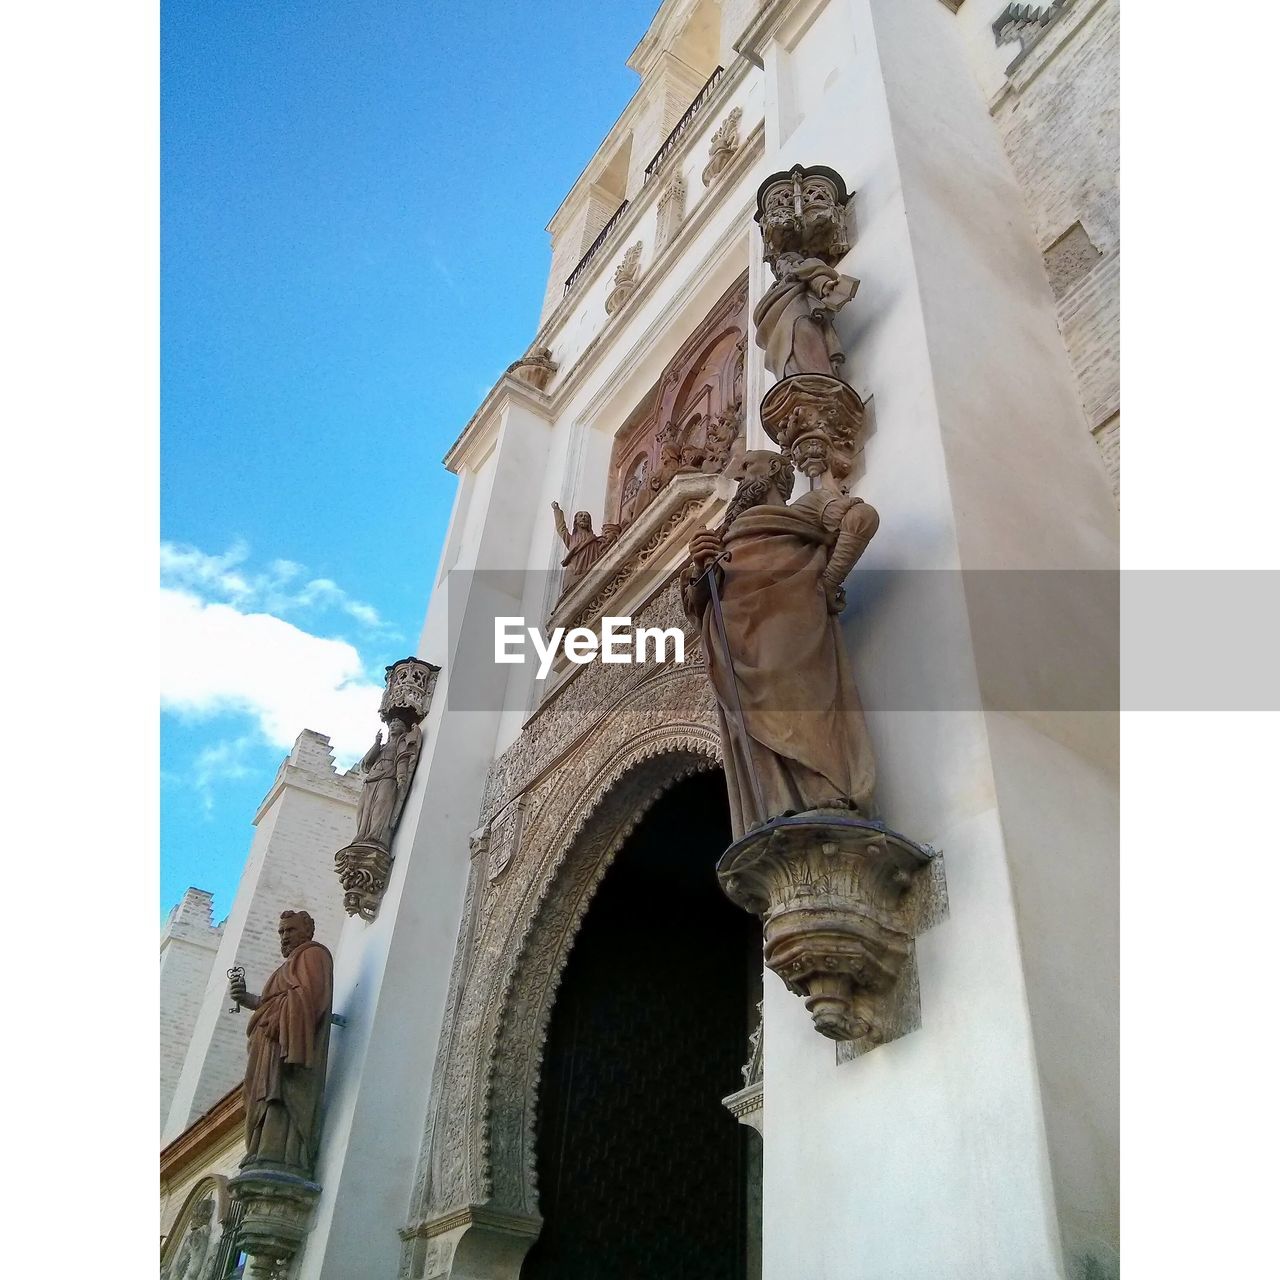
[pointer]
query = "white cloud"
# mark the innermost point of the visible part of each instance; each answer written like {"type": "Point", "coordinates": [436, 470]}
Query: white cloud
{"type": "Point", "coordinates": [216, 658]}
{"type": "Point", "coordinates": [281, 588]}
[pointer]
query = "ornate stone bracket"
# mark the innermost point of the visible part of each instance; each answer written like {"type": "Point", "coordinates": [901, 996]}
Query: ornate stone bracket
{"type": "Point", "coordinates": [816, 420]}
{"type": "Point", "coordinates": [363, 871]}
{"type": "Point", "coordinates": [277, 1215]}
{"type": "Point", "coordinates": [842, 900]}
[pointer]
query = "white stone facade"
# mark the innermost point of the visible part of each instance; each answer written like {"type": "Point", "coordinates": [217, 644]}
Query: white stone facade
{"type": "Point", "coordinates": [305, 818]}
{"type": "Point", "coordinates": [986, 1143]}
{"type": "Point", "coordinates": [188, 946]}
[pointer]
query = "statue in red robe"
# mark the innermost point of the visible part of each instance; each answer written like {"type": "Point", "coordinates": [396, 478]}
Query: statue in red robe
{"type": "Point", "coordinates": [288, 1045]}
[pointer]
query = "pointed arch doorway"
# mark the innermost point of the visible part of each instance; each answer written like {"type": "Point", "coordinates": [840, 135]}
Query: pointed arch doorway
{"type": "Point", "coordinates": [642, 1172]}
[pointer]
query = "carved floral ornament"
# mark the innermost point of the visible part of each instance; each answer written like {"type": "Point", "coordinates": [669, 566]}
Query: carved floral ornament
{"type": "Point", "coordinates": [724, 142]}
{"type": "Point", "coordinates": [625, 279]}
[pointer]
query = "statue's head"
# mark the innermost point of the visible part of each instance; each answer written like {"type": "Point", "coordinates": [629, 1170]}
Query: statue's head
{"type": "Point", "coordinates": [296, 927]}
{"type": "Point", "coordinates": [396, 725]}
{"type": "Point", "coordinates": [582, 521]}
{"type": "Point", "coordinates": [760, 472]}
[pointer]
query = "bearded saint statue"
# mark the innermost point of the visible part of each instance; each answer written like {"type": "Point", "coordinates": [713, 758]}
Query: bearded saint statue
{"type": "Point", "coordinates": [790, 720]}
{"type": "Point", "coordinates": [288, 1047]}
{"type": "Point", "coordinates": [584, 545]}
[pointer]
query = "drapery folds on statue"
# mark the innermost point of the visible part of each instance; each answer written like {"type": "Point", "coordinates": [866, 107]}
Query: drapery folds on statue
{"type": "Point", "coordinates": [288, 1047]}
{"type": "Point", "coordinates": [793, 730]}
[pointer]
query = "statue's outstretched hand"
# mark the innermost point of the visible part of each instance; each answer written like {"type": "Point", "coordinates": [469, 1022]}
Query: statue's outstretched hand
{"type": "Point", "coordinates": [238, 991]}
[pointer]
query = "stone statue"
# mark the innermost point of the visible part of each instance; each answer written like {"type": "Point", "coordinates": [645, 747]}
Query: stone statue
{"type": "Point", "coordinates": [801, 217]}
{"type": "Point", "coordinates": [288, 1045]}
{"type": "Point", "coordinates": [388, 769]}
{"type": "Point", "coordinates": [364, 866]}
{"type": "Point", "coordinates": [792, 726]}
{"type": "Point", "coordinates": [584, 545]}
{"type": "Point", "coordinates": [722, 431]}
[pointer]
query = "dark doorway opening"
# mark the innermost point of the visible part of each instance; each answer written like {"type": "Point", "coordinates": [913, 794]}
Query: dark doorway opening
{"type": "Point", "coordinates": [642, 1172]}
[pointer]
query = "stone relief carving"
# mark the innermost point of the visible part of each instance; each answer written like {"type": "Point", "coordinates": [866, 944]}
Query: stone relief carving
{"type": "Point", "coordinates": [670, 210]}
{"type": "Point", "coordinates": [584, 773]}
{"type": "Point", "coordinates": [693, 418]}
{"type": "Point", "coordinates": [625, 279]}
{"type": "Point", "coordinates": [364, 866]}
{"type": "Point", "coordinates": [536, 367]}
{"type": "Point", "coordinates": [583, 546]}
{"type": "Point", "coordinates": [724, 142]}
{"type": "Point", "coordinates": [194, 1252]}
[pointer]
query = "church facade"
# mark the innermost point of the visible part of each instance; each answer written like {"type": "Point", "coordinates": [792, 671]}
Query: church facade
{"type": "Point", "coordinates": [558, 1051]}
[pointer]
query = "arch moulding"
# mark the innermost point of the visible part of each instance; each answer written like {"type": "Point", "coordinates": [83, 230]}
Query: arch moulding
{"type": "Point", "coordinates": [550, 836]}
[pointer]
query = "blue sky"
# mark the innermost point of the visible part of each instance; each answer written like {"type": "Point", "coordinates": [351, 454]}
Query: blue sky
{"type": "Point", "coordinates": [353, 206]}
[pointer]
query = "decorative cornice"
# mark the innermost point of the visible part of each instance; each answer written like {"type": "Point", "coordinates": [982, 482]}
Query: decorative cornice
{"type": "Point", "coordinates": [507, 390]}
{"type": "Point", "coordinates": [197, 1138]}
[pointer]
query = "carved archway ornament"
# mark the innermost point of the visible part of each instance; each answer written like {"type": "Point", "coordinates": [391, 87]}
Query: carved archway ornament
{"type": "Point", "coordinates": [549, 838]}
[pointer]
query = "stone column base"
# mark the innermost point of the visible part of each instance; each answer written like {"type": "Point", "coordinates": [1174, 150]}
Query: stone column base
{"type": "Point", "coordinates": [277, 1215]}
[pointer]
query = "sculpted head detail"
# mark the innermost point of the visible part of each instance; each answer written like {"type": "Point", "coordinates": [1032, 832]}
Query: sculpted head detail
{"type": "Point", "coordinates": [760, 473]}
{"type": "Point", "coordinates": [296, 927]}
{"type": "Point", "coordinates": [582, 521]}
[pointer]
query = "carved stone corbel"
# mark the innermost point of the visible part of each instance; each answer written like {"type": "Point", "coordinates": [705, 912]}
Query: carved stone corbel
{"type": "Point", "coordinates": [818, 422]}
{"type": "Point", "coordinates": [536, 368]}
{"type": "Point", "coordinates": [277, 1215]}
{"type": "Point", "coordinates": [842, 900]}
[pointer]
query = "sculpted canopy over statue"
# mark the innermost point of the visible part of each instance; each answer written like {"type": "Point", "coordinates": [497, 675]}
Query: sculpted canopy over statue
{"type": "Point", "coordinates": [288, 1046]}
{"type": "Point", "coordinates": [793, 731]}
{"type": "Point", "coordinates": [584, 545]}
{"type": "Point", "coordinates": [801, 217]}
